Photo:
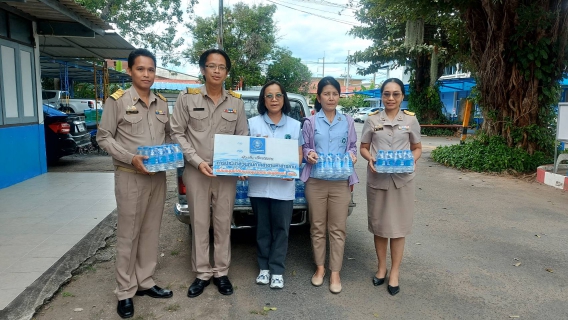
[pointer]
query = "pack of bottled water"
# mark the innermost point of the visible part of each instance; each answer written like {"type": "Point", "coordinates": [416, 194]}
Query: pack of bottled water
{"type": "Point", "coordinates": [399, 161]}
{"type": "Point", "coordinates": [242, 198]}
{"type": "Point", "coordinates": [333, 167]}
{"type": "Point", "coordinates": [300, 192]}
{"type": "Point", "coordinates": [163, 157]}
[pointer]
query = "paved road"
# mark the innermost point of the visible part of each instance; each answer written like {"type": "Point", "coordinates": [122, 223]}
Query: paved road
{"type": "Point", "coordinates": [470, 230]}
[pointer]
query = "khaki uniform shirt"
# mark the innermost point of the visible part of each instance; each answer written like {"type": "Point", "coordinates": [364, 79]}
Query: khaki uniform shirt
{"type": "Point", "coordinates": [196, 120]}
{"type": "Point", "coordinates": [384, 134]}
{"type": "Point", "coordinates": [128, 123]}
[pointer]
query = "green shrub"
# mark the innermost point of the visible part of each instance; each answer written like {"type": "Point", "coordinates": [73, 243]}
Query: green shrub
{"type": "Point", "coordinates": [489, 154]}
{"type": "Point", "coordinates": [438, 132]}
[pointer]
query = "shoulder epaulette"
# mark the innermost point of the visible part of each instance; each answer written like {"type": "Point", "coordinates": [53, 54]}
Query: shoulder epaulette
{"type": "Point", "coordinates": [234, 94]}
{"type": "Point", "coordinates": [161, 97]}
{"type": "Point", "coordinates": [409, 113]}
{"type": "Point", "coordinates": [193, 90]}
{"type": "Point", "coordinates": [117, 94]}
{"type": "Point", "coordinates": [374, 112]}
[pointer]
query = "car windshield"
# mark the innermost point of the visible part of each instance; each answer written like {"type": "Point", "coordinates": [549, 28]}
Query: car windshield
{"type": "Point", "coordinates": [251, 110]}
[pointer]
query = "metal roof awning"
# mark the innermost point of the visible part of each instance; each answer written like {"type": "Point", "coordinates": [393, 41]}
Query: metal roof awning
{"type": "Point", "coordinates": [446, 86]}
{"type": "Point", "coordinates": [78, 71]}
{"type": "Point", "coordinates": [68, 30]}
{"type": "Point", "coordinates": [170, 85]}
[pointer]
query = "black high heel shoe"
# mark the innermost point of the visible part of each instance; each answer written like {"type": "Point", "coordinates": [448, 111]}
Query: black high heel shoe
{"type": "Point", "coordinates": [393, 290]}
{"type": "Point", "coordinates": [377, 281]}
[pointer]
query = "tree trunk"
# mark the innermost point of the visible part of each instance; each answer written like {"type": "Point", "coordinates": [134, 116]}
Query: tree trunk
{"type": "Point", "coordinates": [509, 82]}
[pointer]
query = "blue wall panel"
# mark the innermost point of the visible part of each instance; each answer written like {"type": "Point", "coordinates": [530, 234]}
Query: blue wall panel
{"type": "Point", "coordinates": [22, 153]}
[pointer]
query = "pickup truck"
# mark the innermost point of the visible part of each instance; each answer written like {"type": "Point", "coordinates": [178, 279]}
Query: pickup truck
{"type": "Point", "coordinates": [60, 99]}
{"type": "Point", "coordinates": [243, 216]}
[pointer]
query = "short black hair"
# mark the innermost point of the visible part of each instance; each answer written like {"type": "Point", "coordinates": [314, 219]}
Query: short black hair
{"type": "Point", "coordinates": [261, 106]}
{"type": "Point", "coordinates": [395, 80]}
{"type": "Point", "coordinates": [203, 58]}
{"type": "Point", "coordinates": [321, 84]}
{"type": "Point", "coordinates": [140, 52]}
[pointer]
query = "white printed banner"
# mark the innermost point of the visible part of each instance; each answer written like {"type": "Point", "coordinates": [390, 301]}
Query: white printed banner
{"type": "Point", "coordinates": [255, 157]}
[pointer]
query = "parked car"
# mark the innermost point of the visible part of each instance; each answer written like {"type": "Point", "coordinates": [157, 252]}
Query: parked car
{"type": "Point", "coordinates": [62, 102]}
{"type": "Point", "coordinates": [362, 116]}
{"type": "Point", "coordinates": [64, 133]}
{"type": "Point", "coordinates": [243, 216]}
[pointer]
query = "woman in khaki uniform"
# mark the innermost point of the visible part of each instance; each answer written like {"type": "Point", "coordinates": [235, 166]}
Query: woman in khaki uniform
{"type": "Point", "coordinates": [390, 196]}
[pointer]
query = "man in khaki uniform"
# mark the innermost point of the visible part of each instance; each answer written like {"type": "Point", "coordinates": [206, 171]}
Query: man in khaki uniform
{"type": "Point", "coordinates": [133, 118]}
{"type": "Point", "coordinates": [199, 114]}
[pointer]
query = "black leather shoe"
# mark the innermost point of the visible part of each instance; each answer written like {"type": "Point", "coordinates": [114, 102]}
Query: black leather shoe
{"type": "Point", "coordinates": [393, 290]}
{"type": "Point", "coordinates": [379, 281]}
{"type": "Point", "coordinates": [125, 308]}
{"type": "Point", "coordinates": [155, 292]}
{"type": "Point", "coordinates": [197, 287]}
{"type": "Point", "coordinates": [224, 285]}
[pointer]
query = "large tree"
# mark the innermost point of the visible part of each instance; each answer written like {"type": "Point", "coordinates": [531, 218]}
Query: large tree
{"type": "Point", "coordinates": [249, 36]}
{"type": "Point", "coordinates": [151, 24]}
{"type": "Point", "coordinates": [289, 71]}
{"type": "Point", "coordinates": [519, 56]}
{"type": "Point", "coordinates": [422, 36]}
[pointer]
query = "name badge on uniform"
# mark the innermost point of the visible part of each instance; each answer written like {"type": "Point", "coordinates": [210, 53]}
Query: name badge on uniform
{"type": "Point", "coordinates": [378, 127]}
{"type": "Point", "coordinates": [287, 136]}
{"type": "Point", "coordinates": [198, 109]}
{"type": "Point", "coordinates": [405, 128]}
{"type": "Point", "coordinates": [131, 110]}
{"type": "Point", "coordinates": [160, 112]}
{"type": "Point", "coordinates": [231, 110]}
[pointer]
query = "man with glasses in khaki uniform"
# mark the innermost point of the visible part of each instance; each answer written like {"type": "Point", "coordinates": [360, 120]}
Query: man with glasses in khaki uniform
{"type": "Point", "coordinates": [198, 115]}
{"type": "Point", "coordinates": [133, 118]}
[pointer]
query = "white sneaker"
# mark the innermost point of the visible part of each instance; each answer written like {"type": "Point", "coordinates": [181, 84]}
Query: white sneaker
{"type": "Point", "coordinates": [276, 282]}
{"type": "Point", "coordinates": [263, 277]}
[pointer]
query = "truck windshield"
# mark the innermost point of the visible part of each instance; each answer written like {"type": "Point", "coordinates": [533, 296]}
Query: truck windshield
{"type": "Point", "coordinates": [251, 111]}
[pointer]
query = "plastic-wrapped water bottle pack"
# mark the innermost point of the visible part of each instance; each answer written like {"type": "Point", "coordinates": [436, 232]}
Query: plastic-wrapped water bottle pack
{"type": "Point", "coordinates": [333, 167]}
{"type": "Point", "coordinates": [399, 161]}
{"type": "Point", "coordinates": [163, 157]}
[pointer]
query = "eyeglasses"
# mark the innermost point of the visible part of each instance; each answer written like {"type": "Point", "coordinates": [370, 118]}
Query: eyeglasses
{"type": "Point", "coordinates": [214, 67]}
{"type": "Point", "coordinates": [395, 95]}
{"type": "Point", "coordinates": [270, 96]}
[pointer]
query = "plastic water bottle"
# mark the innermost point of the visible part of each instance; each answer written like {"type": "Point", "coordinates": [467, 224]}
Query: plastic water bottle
{"type": "Point", "coordinates": [328, 171]}
{"type": "Point", "coordinates": [240, 197]}
{"type": "Point", "coordinates": [399, 162]}
{"type": "Point", "coordinates": [338, 166]}
{"type": "Point", "coordinates": [347, 165]}
{"type": "Point", "coordinates": [320, 167]}
{"type": "Point", "coordinates": [380, 164]}
{"type": "Point", "coordinates": [152, 159]}
{"type": "Point", "coordinates": [171, 164]}
{"type": "Point", "coordinates": [389, 161]}
{"type": "Point", "coordinates": [178, 155]}
{"type": "Point", "coordinates": [408, 161]}
{"type": "Point", "coordinates": [162, 158]}
{"type": "Point", "coordinates": [300, 192]}
{"type": "Point", "coordinates": [246, 199]}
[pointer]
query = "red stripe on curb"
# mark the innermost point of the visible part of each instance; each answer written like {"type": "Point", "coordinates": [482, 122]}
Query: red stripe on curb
{"type": "Point", "coordinates": [566, 184]}
{"type": "Point", "coordinates": [540, 173]}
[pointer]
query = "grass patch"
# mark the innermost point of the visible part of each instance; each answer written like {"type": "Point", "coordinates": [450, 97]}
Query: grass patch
{"type": "Point", "coordinates": [259, 312]}
{"type": "Point", "coordinates": [174, 253]}
{"type": "Point", "coordinates": [66, 294]}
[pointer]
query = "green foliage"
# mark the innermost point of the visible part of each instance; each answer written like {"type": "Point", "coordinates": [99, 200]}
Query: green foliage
{"type": "Point", "coordinates": [489, 154]}
{"type": "Point", "coordinates": [289, 71]}
{"type": "Point", "coordinates": [353, 101]}
{"type": "Point", "coordinates": [249, 37]}
{"type": "Point", "coordinates": [438, 132]}
{"type": "Point", "coordinates": [427, 105]}
{"type": "Point", "coordinates": [137, 19]}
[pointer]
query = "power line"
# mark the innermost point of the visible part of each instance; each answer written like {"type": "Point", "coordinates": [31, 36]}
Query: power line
{"type": "Point", "coordinates": [313, 14]}
{"type": "Point", "coordinates": [343, 15]}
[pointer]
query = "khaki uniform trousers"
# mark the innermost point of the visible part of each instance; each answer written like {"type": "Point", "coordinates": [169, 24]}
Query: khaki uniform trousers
{"type": "Point", "coordinates": [328, 203]}
{"type": "Point", "coordinates": [140, 205]}
{"type": "Point", "coordinates": [203, 194]}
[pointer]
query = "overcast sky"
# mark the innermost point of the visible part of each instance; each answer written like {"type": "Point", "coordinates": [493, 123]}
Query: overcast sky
{"type": "Point", "coordinates": [308, 29]}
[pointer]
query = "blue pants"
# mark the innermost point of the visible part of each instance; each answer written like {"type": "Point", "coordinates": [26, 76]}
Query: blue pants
{"type": "Point", "coordinates": [272, 230]}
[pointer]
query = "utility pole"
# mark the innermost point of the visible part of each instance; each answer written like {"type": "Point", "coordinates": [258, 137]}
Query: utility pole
{"type": "Point", "coordinates": [220, 35]}
{"type": "Point", "coordinates": [347, 86]}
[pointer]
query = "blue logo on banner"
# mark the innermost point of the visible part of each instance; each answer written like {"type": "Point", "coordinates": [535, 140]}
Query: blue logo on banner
{"type": "Point", "coordinates": [257, 146]}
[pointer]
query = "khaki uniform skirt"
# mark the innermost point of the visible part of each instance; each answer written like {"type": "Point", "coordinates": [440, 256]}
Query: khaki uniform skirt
{"type": "Point", "coordinates": [391, 211]}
